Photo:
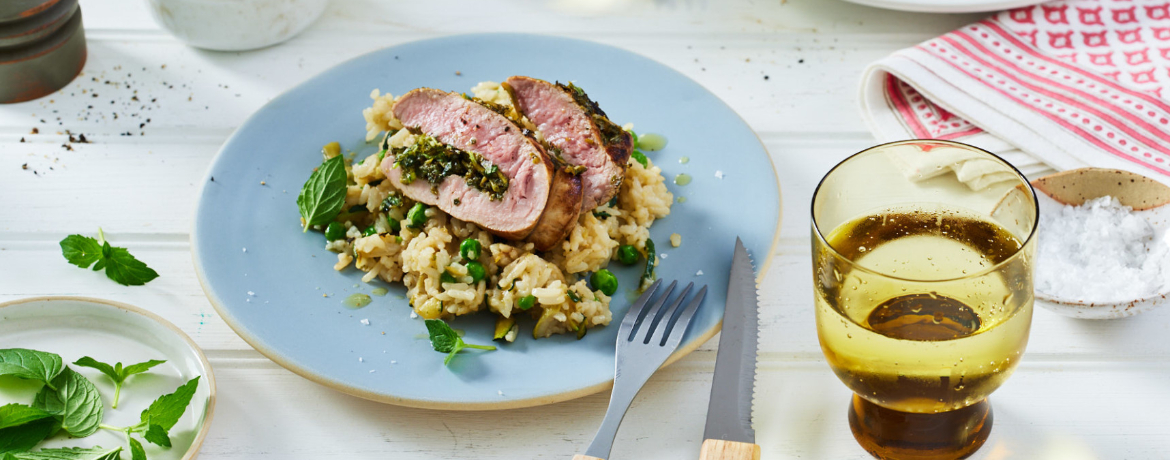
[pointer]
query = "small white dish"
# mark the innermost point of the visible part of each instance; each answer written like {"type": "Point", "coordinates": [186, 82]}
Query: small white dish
{"type": "Point", "coordinates": [235, 25]}
{"type": "Point", "coordinates": [108, 331]}
{"type": "Point", "coordinates": [1147, 197]}
{"type": "Point", "coordinates": [947, 6]}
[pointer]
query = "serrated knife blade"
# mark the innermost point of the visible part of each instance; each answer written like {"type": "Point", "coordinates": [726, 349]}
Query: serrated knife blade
{"type": "Point", "coordinates": [729, 433]}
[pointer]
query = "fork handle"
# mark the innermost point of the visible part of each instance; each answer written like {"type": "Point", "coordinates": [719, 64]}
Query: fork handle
{"type": "Point", "coordinates": [718, 449]}
{"type": "Point", "coordinates": [585, 457]}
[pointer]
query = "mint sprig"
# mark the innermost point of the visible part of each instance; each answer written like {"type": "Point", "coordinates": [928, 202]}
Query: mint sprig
{"type": "Point", "coordinates": [119, 264]}
{"type": "Point", "coordinates": [117, 373]}
{"type": "Point", "coordinates": [445, 340]}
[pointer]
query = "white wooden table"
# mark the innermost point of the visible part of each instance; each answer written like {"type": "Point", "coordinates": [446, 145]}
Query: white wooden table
{"type": "Point", "coordinates": [1084, 389]}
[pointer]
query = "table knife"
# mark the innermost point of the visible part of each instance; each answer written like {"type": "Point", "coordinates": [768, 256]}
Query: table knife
{"type": "Point", "coordinates": [729, 434]}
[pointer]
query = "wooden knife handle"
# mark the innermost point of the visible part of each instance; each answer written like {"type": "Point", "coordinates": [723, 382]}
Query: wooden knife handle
{"type": "Point", "coordinates": [718, 449]}
{"type": "Point", "coordinates": [585, 457]}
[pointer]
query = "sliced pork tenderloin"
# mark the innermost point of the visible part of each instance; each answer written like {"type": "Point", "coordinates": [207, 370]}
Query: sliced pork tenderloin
{"type": "Point", "coordinates": [575, 127]}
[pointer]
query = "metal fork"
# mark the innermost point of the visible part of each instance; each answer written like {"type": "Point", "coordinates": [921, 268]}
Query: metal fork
{"type": "Point", "coordinates": [642, 347]}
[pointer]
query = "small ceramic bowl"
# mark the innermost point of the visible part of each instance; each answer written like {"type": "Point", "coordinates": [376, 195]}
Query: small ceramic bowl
{"type": "Point", "coordinates": [235, 25]}
{"type": "Point", "coordinates": [1147, 197]}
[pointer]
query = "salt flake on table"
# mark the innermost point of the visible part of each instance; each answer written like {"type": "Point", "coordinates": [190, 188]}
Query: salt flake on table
{"type": "Point", "coordinates": [365, 322]}
{"type": "Point", "coordinates": [719, 174]}
{"type": "Point", "coordinates": [251, 293]}
{"type": "Point", "coordinates": [699, 273]}
{"type": "Point", "coordinates": [413, 315]}
{"type": "Point", "coordinates": [361, 360]}
{"type": "Point", "coordinates": [245, 249]}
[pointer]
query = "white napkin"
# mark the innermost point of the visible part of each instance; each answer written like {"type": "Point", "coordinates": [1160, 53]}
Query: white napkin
{"type": "Point", "coordinates": [1056, 86]}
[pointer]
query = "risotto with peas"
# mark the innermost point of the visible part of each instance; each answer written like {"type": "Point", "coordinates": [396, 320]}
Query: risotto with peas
{"type": "Point", "coordinates": [512, 198]}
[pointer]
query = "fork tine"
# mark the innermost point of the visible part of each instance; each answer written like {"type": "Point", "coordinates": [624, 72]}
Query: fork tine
{"type": "Point", "coordinates": [652, 311]}
{"type": "Point", "coordinates": [668, 312]}
{"type": "Point", "coordinates": [683, 320]}
{"type": "Point", "coordinates": [637, 310]}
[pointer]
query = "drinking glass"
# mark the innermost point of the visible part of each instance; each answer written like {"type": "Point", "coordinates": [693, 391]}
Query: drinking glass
{"type": "Point", "coordinates": [922, 266]}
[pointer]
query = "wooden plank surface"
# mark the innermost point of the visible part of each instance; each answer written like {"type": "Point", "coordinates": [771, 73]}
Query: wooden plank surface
{"type": "Point", "coordinates": [1085, 389]}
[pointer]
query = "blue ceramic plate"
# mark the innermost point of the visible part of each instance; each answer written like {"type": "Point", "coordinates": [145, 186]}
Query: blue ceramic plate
{"type": "Point", "coordinates": [277, 288]}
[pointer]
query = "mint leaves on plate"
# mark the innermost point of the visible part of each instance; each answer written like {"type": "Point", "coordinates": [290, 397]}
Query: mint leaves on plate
{"type": "Point", "coordinates": [69, 402]}
{"type": "Point", "coordinates": [120, 266]}
{"type": "Point", "coordinates": [445, 340]}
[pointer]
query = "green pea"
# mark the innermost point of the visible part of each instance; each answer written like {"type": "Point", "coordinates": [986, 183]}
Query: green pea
{"type": "Point", "coordinates": [604, 281]}
{"type": "Point", "coordinates": [627, 254]}
{"type": "Point", "coordinates": [370, 231]}
{"type": "Point", "coordinates": [640, 158]}
{"type": "Point", "coordinates": [335, 231]}
{"type": "Point", "coordinates": [447, 278]}
{"type": "Point", "coordinates": [395, 226]}
{"type": "Point", "coordinates": [469, 249]}
{"type": "Point", "coordinates": [475, 269]}
{"type": "Point", "coordinates": [526, 302]}
{"type": "Point", "coordinates": [417, 215]}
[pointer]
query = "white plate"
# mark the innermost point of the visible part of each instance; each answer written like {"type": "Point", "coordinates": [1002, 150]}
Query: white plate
{"type": "Point", "coordinates": [947, 6]}
{"type": "Point", "coordinates": [109, 332]}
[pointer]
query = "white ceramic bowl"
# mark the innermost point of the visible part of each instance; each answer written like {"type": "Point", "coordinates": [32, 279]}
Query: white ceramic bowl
{"type": "Point", "coordinates": [235, 25]}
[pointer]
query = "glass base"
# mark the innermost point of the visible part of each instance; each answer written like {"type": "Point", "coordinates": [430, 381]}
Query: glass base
{"type": "Point", "coordinates": [892, 435]}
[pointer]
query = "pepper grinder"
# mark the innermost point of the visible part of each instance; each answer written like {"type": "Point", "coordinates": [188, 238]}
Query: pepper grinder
{"type": "Point", "coordinates": [42, 47]}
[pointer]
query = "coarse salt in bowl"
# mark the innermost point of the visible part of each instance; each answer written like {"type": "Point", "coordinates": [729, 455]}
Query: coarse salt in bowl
{"type": "Point", "coordinates": [1103, 249]}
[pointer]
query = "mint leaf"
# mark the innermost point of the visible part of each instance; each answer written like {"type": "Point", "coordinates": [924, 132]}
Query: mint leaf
{"type": "Point", "coordinates": [136, 450]}
{"type": "Point", "coordinates": [76, 453]}
{"type": "Point", "coordinates": [443, 338]}
{"type": "Point", "coordinates": [48, 401]}
{"type": "Point", "coordinates": [124, 269]}
{"type": "Point", "coordinates": [30, 364]}
{"type": "Point", "coordinates": [140, 367]}
{"type": "Point", "coordinates": [165, 411]}
{"type": "Point", "coordinates": [81, 404]}
{"type": "Point", "coordinates": [323, 195]}
{"type": "Point", "coordinates": [119, 265]}
{"type": "Point", "coordinates": [25, 437]}
{"type": "Point", "coordinates": [157, 435]}
{"type": "Point", "coordinates": [81, 251]}
{"type": "Point", "coordinates": [19, 414]}
{"type": "Point", "coordinates": [107, 369]}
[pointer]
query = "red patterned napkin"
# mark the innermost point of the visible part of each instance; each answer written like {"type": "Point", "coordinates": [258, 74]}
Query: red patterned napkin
{"type": "Point", "coordinates": [1059, 85]}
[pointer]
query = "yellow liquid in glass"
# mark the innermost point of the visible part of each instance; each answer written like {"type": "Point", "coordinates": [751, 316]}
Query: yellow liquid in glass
{"type": "Point", "coordinates": [933, 313]}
